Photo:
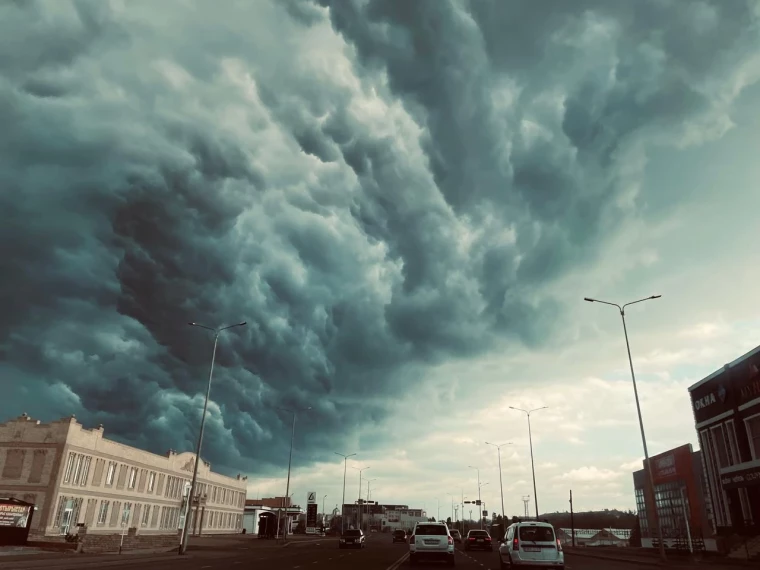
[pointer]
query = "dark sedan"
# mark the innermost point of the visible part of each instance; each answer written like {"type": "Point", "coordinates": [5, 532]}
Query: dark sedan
{"type": "Point", "coordinates": [351, 538]}
{"type": "Point", "coordinates": [399, 535]}
{"type": "Point", "coordinates": [478, 539]}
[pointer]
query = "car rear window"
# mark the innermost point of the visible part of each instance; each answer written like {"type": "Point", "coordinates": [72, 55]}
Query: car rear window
{"type": "Point", "coordinates": [352, 532]}
{"type": "Point", "coordinates": [399, 532]}
{"type": "Point", "coordinates": [431, 530]}
{"type": "Point", "coordinates": [537, 533]}
{"type": "Point", "coordinates": [478, 533]}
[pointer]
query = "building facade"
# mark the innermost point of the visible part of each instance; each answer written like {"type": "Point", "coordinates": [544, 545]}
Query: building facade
{"type": "Point", "coordinates": [76, 477]}
{"type": "Point", "coordinates": [679, 491]}
{"type": "Point", "coordinates": [726, 407]}
{"type": "Point", "coordinates": [274, 507]}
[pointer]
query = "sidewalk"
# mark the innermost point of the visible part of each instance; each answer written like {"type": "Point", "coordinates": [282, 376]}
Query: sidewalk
{"type": "Point", "coordinates": [647, 558]}
{"type": "Point", "coordinates": [198, 547]}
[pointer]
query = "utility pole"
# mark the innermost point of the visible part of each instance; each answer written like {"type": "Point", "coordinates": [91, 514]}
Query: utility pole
{"type": "Point", "coordinates": [572, 518]}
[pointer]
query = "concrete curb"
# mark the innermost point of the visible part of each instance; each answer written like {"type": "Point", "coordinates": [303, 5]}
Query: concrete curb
{"type": "Point", "coordinates": [628, 559]}
{"type": "Point", "coordinates": [83, 562]}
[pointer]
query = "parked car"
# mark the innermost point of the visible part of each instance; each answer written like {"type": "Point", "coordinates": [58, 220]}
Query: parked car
{"type": "Point", "coordinates": [399, 535]}
{"type": "Point", "coordinates": [431, 541]}
{"type": "Point", "coordinates": [351, 538]}
{"type": "Point", "coordinates": [531, 545]}
{"type": "Point", "coordinates": [478, 539]}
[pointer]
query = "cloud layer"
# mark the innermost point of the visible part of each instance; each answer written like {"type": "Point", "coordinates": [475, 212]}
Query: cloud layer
{"type": "Point", "coordinates": [377, 188]}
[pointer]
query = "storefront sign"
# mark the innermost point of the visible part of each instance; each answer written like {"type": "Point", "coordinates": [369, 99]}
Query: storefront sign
{"type": "Point", "coordinates": [14, 515]}
{"type": "Point", "coordinates": [748, 477]}
{"type": "Point", "coordinates": [665, 466]}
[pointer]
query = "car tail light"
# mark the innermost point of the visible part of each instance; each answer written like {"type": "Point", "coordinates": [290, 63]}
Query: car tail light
{"type": "Point", "coordinates": [559, 545]}
{"type": "Point", "coordinates": [451, 540]}
{"type": "Point", "coordinates": [515, 544]}
{"type": "Point", "coordinates": [472, 539]}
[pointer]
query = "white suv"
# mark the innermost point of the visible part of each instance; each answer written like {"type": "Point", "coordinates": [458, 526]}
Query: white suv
{"type": "Point", "coordinates": [431, 541]}
{"type": "Point", "coordinates": [531, 545]}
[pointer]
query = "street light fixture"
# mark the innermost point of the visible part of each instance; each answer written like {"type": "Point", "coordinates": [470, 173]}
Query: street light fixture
{"type": "Point", "coordinates": [369, 513]}
{"type": "Point", "coordinates": [621, 310]}
{"type": "Point", "coordinates": [480, 510]}
{"type": "Point", "coordinates": [359, 501]}
{"type": "Point", "coordinates": [530, 440]}
{"type": "Point", "coordinates": [188, 509]}
{"type": "Point", "coordinates": [501, 484]}
{"type": "Point", "coordinates": [345, 461]}
{"type": "Point", "coordinates": [324, 515]}
{"type": "Point", "coordinates": [453, 516]}
{"type": "Point", "coordinates": [290, 459]}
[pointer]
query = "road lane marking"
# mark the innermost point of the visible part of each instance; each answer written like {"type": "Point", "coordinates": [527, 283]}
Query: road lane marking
{"type": "Point", "coordinates": [398, 562]}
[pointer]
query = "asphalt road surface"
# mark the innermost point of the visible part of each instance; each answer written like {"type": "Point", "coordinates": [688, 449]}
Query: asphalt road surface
{"type": "Point", "coordinates": [379, 554]}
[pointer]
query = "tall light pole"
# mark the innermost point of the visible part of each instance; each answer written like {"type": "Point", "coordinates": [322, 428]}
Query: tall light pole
{"type": "Point", "coordinates": [530, 440]}
{"type": "Point", "coordinates": [369, 514]}
{"type": "Point", "coordinates": [324, 515]}
{"type": "Point", "coordinates": [501, 484]}
{"type": "Point", "coordinates": [188, 508]}
{"type": "Point", "coordinates": [453, 516]}
{"type": "Point", "coordinates": [290, 460]}
{"type": "Point", "coordinates": [480, 510]}
{"type": "Point", "coordinates": [342, 506]}
{"type": "Point", "coordinates": [621, 309]}
{"type": "Point", "coordinates": [359, 501]}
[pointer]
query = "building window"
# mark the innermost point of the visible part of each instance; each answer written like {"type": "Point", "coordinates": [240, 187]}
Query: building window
{"type": "Point", "coordinates": [103, 513]}
{"type": "Point", "coordinates": [126, 514]}
{"type": "Point", "coordinates": [111, 472]}
{"type": "Point", "coordinates": [151, 481]}
{"type": "Point", "coordinates": [641, 507]}
{"type": "Point", "coordinates": [753, 434]}
{"type": "Point", "coordinates": [132, 477]}
{"type": "Point", "coordinates": [146, 515]}
{"type": "Point", "coordinates": [77, 468]}
{"type": "Point", "coordinates": [85, 470]}
{"type": "Point", "coordinates": [69, 467]}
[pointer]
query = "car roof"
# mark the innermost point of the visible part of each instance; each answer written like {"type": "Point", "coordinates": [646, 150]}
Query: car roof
{"type": "Point", "coordinates": [533, 523]}
{"type": "Point", "coordinates": [438, 523]}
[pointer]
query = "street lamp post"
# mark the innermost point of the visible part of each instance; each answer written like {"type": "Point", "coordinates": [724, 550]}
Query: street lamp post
{"type": "Point", "coordinates": [530, 440]}
{"type": "Point", "coordinates": [359, 500]}
{"type": "Point", "coordinates": [621, 309]}
{"type": "Point", "coordinates": [480, 510]}
{"type": "Point", "coordinates": [369, 513]}
{"type": "Point", "coordinates": [324, 515]}
{"type": "Point", "coordinates": [188, 508]}
{"type": "Point", "coordinates": [501, 484]}
{"type": "Point", "coordinates": [342, 506]}
{"type": "Point", "coordinates": [453, 516]}
{"type": "Point", "coordinates": [290, 460]}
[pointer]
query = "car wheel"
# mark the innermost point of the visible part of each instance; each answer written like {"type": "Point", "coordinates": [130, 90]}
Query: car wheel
{"type": "Point", "coordinates": [452, 561]}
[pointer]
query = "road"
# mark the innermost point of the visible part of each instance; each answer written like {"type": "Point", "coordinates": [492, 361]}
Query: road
{"type": "Point", "coordinates": [380, 554]}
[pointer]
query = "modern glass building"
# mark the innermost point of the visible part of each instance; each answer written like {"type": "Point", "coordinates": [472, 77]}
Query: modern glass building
{"type": "Point", "coordinates": [679, 492]}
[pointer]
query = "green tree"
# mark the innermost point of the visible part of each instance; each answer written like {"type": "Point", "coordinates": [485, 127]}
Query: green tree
{"type": "Point", "coordinates": [448, 521]}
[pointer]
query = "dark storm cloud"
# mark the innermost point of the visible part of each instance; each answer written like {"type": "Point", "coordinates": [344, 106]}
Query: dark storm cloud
{"type": "Point", "coordinates": [170, 163]}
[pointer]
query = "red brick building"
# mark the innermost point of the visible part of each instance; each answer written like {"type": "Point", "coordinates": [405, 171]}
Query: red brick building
{"type": "Point", "coordinates": [679, 491]}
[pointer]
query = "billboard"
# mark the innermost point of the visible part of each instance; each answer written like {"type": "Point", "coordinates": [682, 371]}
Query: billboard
{"type": "Point", "coordinates": [14, 515]}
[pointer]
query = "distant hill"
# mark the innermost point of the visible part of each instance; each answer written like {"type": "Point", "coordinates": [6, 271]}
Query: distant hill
{"type": "Point", "coordinates": [594, 519]}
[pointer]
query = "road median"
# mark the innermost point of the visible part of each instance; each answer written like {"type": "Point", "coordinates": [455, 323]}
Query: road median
{"type": "Point", "coordinates": [651, 558]}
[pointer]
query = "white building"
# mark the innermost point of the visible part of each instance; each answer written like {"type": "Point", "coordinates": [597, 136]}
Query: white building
{"type": "Point", "coordinates": [76, 478]}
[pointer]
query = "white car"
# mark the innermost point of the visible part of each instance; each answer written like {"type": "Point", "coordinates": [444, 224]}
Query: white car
{"type": "Point", "coordinates": [531, 545]}
{"type": "Point", "coordinates": [431, 541]}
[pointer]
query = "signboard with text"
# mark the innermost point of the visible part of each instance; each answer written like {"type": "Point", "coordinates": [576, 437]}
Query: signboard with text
{"type": "Point", "coordinates": [14, 515]}
{"type": "Point", "coordinates": [747, 477]}
{"type": "Point", "coordinates": [311, 518]}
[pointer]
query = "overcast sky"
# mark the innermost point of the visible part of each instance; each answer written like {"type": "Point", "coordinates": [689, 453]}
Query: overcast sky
{"type": "Point", "coordinates": [407, 201]}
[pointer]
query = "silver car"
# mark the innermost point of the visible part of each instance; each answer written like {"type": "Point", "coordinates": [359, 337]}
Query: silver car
{"type": "Point", "coordinates": [431, 541]}
{"type": "Point", "coordinates": [531, 545]}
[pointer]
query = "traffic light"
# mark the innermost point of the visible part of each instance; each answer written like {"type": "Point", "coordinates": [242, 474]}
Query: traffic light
{"type": "Point", "coordinates": [478, 502]}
